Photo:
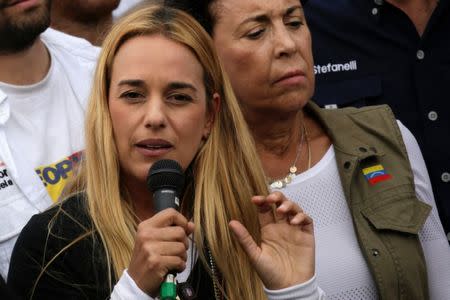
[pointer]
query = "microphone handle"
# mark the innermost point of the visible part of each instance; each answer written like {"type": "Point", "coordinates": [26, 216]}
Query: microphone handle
{"type": "Point", "coordinates": [163, 199]}
{"type": "Point", "coordinates": [168, 290]}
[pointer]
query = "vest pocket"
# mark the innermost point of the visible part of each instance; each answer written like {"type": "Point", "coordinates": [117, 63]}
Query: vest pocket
{"type": "Point", "coordinates": [400, 212]}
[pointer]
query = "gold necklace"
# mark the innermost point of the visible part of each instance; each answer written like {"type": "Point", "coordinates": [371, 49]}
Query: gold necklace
{"type": "Point", "coordinates": [281, 183]}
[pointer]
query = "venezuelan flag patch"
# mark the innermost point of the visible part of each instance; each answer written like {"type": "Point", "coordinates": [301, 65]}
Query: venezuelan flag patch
{"type": "Point", "coordinates": [376, 174]}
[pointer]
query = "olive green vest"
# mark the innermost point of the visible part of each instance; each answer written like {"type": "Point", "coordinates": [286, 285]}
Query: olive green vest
{"type": "Point", "coordinates": [387, 215]}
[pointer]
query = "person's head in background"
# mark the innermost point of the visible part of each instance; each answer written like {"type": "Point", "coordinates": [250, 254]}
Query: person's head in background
{"type": "Point", "coordinates": [259, 42]}
{"type": "Point", "coordinates": [88, 19]}
{"type": "Point", "coordinates": [21, 24]}
{"type": "Point", "coordinates": [24, 58]}
{"type": "Point", "coordinates": [159, 92]}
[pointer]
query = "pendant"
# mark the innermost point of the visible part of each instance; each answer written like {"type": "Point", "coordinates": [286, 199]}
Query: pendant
{"type": "Point", "coordinates": [278, 184]}
{"type": "Point", "coordinates": [186, 291]}
{"type": "Point", "coordinates": [288, 179]}
{"type": "Point", "coordinates": [282, 183]}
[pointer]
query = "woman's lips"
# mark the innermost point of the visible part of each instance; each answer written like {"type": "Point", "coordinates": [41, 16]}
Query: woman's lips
{"type": "Point", "coordinates": [155, 152]}
{"type": "Point", "coordinates": [291, 78]}
{"type": "Point", "coordinates": [153, 148]}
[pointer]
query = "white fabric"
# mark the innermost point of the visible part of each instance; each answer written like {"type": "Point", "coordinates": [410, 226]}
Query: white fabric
{"type": "Point", "coordinates": [305, 291]}
{"type": "Point", "coordinates": [126, 288]}
{"type": "Point", "coordinates": [341, 269]}
{"type": "Point", "coordinates": [41, 125]}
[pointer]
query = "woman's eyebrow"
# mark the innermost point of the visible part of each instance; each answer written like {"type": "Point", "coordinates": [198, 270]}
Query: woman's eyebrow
{"type": "Point", "coordinates": [264, 18]}
{"type": "Point", "coordinates": [291, 9]}
{"type": "Point", "coordinates": [132, 82]}
{"type": "Point", "coordinates": [181, 85]}
{"type": "Point", "coordinates": [258, 18]}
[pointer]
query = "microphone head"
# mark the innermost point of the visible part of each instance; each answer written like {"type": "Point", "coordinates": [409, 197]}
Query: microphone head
{"type": "Point", "coordinates": [167, 174]}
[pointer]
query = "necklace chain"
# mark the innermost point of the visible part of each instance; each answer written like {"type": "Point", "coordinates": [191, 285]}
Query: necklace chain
{"type": "Point", "coordinates": [281, 183]}
{"type": "Point", "coordinates": [215, 280]}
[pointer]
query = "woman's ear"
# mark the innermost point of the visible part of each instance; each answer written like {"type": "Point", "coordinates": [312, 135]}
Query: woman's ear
{"type": "Point", "coordinates": [213, 110]}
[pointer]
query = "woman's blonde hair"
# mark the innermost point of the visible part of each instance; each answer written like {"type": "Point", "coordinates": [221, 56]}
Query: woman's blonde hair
{"type": "Point", "coordinates": [226, 171]}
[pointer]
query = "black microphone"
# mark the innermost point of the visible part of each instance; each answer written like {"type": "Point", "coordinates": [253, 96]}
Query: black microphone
{"type": "Point", "coordinates": [165, 180]}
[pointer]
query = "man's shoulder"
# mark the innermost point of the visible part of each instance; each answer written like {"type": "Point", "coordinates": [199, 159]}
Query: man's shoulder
{"type": "Point", "coordinates": [77, 59]}
{"type": "Point", "coordinates": [66, 44]}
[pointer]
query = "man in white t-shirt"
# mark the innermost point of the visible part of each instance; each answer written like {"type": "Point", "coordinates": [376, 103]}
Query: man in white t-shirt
{"type": "Point", "coordinates": [45, 79]}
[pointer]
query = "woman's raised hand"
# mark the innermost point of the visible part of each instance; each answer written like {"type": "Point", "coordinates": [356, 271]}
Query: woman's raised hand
{"type": "Point", "coordinates": [286, 254]}
{"type": "Point", "coordinates": [160, 246]}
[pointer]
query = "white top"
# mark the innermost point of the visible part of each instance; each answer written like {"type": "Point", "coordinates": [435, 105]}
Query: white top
{"type": "Point", "coordinates": [341, 269]}
{"type": "Point", "coordinates": [41, 134]}
{"type": "Point", "coordinates": [126, 288]}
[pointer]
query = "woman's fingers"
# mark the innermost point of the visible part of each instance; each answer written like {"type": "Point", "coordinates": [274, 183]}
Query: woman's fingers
{"type": "Point", "coordinates": [161, 245]}
{"type": "Point", "coordinates": [166, 234]}
{"type": "Point", "coordinates": [266, 205]}
{"type": "Point", "coordinates": [295, 215]}
{"type": "Point", "coordinates": [286, 254]}
{"type": "Point", "coordinates": [167, 249]}
{"type": "Point", "coordinates": [301, 219]}
{"type": "Point", "coordinates": [284, 208]}
{"type": "Point", "coordinates": [158, 267]}
{"type": "Point", "coordinates": [288, 209]}
{"type": "Point", "coordinates": [173, 263]}
{"type": "Point", "coordinates": [245, 239]}
{"type": "Point", "coordinates": [275, 198]}
{"type": "Point", "coordinates": [167, 217]}
{"type": "Point", "coordinates": [169, 257]}
{"type": "Point", "coordinates": [265, 210]}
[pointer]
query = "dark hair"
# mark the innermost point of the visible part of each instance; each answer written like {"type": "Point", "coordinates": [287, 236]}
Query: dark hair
{"type": "Point", "coordinates": [200, 10]}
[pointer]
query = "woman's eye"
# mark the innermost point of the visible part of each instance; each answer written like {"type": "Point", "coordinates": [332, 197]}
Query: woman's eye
{"type": "Point", "coordinates": [131, 95]}
{"type": "Point", "coordinates": [255, 34]}
{"type": "Point", "coordinates": [180, 98]}
{"type": "Point", "coordinates": [294, 23]}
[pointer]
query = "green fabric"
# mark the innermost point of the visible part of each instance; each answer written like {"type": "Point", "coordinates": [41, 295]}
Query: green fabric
{"type": "Point", "coordinates": [387, 215]}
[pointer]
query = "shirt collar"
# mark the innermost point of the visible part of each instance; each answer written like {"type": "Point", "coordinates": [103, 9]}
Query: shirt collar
{"type": "Point", "coordinates": [338, 125]}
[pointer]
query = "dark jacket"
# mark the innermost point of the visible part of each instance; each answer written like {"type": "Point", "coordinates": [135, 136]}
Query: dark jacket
{"type": "Point", "coordinates": [5, 291]}
{"type": "Point", "coordinates": [80, 271]}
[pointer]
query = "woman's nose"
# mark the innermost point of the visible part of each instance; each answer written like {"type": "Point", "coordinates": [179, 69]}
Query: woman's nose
{"type": "Point", "coordinates": [155, 114]}
{"type": "Point", "coordinates": [284, 42]}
